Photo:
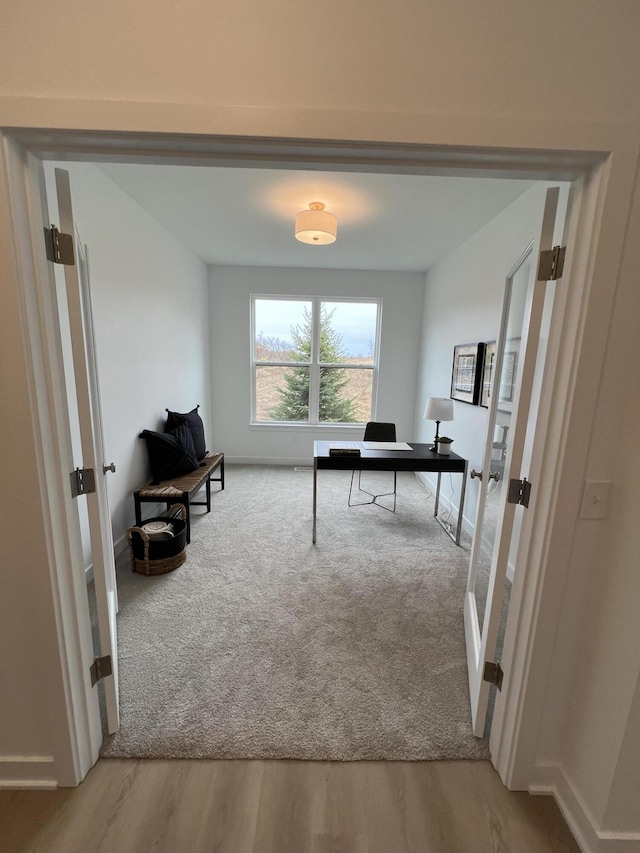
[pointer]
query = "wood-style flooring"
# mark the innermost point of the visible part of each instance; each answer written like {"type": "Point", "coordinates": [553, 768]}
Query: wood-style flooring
{"type": "Point", "coordinates": [165, 806]}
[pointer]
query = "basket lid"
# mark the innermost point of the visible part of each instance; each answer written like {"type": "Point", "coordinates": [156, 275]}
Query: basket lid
{"type": "Point", "coordinates": [155, 526]}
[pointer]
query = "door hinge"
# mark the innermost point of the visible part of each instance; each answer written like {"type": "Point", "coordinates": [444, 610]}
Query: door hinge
{"type": "Point", "coordinates": [59, 246]}
{"type": "Point", "coordinates": [83, 482]}
{"type": "Point", "coordinates": [493, 674]}
{"type": "Point", "coordinates": [551, 264]}
{"type": "Point", "coordinates": [100, 668]}
{"type": "Point", "coordinates": [519, 492]}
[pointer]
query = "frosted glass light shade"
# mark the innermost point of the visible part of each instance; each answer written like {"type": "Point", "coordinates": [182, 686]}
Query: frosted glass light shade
{"type": "Point", "coordinates": [316, 226]}
{"type": "Point", "coordinates": [439, 409]}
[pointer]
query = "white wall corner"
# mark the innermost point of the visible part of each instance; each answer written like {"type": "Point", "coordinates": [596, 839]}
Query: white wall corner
{"type": "Point", "coordinates": [551, 779]}
{"type": "Point", "coordinates": [300, 461]}
{"type": "Point", "coordinates": [445, 504]}
{"type": "Point", "coordinates": [121, 545]}
{"type": "Point", "coordinates": [28, 771]}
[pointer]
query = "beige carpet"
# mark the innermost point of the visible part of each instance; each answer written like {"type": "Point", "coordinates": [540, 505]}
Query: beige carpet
{"type": "Point", "coordinates": [264, 646]}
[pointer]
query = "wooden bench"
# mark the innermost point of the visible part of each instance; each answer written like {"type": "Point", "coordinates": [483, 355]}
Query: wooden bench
{"type": "Point", "coordinates": [183, 489]}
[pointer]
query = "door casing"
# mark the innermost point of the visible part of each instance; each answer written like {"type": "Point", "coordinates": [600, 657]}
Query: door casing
{"type": "Point", "coordinates": [528, 640]}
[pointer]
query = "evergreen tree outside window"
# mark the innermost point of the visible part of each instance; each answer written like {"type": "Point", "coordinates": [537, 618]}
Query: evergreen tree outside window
{"type": "Point", "coordinates": [314, 360]}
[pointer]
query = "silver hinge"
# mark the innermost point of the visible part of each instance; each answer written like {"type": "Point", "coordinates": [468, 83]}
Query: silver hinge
{"type": "Point", "coordinates": [100, 668]}
{"type": "Point", "coordinates": [519, 492]}
{"type": "Point", "coordinates": [59, 246]}
{"type": "Point", "coordinates": [551, 264]}
{"type": "Point", "coordinates": [83, 482]}
{"type": "Point", "coordinates": [493, 674]}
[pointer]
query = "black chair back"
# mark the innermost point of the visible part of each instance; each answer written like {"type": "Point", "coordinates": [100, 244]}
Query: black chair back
{"type": "Point", "coordinates": [378, 431]}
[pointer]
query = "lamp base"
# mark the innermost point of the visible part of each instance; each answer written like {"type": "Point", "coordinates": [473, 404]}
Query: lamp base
{"type": "Point", "coordinates": [435, 440]}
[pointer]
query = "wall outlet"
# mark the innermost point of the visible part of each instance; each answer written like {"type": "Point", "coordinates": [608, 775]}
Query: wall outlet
{"type": "Point", "coordinates": [595, 499]}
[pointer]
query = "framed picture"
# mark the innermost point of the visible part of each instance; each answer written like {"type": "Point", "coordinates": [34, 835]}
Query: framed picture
{"type": "Point", "coordinates": [507, 384]}
{"type": "Point", "coordinates": [509, 375]}
{"type": "Point", "coordinates": [487, 372]}
{"type": "Point", "coordinates": [466, 376]}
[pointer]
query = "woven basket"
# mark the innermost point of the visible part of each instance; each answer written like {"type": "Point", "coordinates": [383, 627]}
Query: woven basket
{"type": "Point", "coordinates": [158, 567]}
{"type": "Point", "coordinates": [157, 557]}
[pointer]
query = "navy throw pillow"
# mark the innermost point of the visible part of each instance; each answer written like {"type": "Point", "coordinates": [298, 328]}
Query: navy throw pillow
{"type": "Point", "coordinates": [171, 454]}
{"type": "Point", "coordinates": [195, 424]}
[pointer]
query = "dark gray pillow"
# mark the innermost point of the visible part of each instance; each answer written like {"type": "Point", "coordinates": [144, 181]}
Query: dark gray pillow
{"type": "Point", "coordinates": [194, 422]}
{"type": "Point", "coordinates": [171, 454]}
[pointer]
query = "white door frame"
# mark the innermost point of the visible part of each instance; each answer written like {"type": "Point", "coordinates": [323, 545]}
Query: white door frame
{"type": "Point", "coordinates": [85, 372]}
{"type": "Point", "coordinates": [481, 643]}
{"type": "Point", "coordinates": [594, 253]}
{"type": "Point", "coordinates": [78, 732]}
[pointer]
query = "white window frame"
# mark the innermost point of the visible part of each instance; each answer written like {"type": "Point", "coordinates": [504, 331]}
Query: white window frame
{"type": "Point", "coordinates": [315, 364]}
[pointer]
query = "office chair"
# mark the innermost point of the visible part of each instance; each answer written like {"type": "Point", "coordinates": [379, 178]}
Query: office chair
{"type": "Point", "coordinates": [376, 431]}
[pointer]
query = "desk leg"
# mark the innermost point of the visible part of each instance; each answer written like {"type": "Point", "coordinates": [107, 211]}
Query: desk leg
{"type": "Point", "coordinates": [461, 509]}
{"type": "Point", "coordinates": [435, 509]}
{"type": "Point", "coordinates": [315, 498]}
{"type": "Point", "coordinates": [446, 527]}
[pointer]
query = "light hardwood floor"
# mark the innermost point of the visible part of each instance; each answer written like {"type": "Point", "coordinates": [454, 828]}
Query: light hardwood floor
{"type": "Point", "coordinates": [133, 806]}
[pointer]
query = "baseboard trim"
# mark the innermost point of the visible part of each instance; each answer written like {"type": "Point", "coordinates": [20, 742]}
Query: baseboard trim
{"type": "Point", "coordinates": [29, 772]}
{"type": "Point", "coordinates": [551, 779]}
{"type": "Point", "coordinates": [269, 460]}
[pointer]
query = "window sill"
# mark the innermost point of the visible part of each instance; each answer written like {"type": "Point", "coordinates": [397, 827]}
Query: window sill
{"type": "Point", "coordinates": [305, 426]}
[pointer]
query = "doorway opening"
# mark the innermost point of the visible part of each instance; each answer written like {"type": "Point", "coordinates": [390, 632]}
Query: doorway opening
{"type": "Point", "coordinates": [136, 188]}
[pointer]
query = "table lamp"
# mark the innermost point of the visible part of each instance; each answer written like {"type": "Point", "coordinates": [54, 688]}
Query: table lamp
{"type": "Point", "coordinates": [438, 409]}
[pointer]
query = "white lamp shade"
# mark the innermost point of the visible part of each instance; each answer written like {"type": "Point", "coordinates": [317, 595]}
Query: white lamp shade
{"type": "Point", "coordinates": [316, 226]}
{"type": "Point", "coordinates": [439, 409]}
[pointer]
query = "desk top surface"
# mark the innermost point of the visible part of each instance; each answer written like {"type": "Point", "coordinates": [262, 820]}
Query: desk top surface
{"type": "Point", "coordinates": [420, 457]}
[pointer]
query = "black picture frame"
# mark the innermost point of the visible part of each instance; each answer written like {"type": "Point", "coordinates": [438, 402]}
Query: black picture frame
{"type": "Point", "coordinates": [488, 367]}
{"type": "Point", "coordinates": [466, 373]}
{"type": "Point", "coordinates": [509, 374]}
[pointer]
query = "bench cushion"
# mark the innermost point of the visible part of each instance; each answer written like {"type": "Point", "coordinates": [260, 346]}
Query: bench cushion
{"type": "Point", "coordinates": [189, 482]}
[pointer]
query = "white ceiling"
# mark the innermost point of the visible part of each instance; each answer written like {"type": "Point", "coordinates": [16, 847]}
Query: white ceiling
{"type": "Point", "coordinates": [246, 216]}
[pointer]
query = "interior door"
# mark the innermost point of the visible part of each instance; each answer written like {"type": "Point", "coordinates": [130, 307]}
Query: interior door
{"type": "Point", "coordinates": [510, 380]}
{"type": "Point", "coordinates": [92, 444]}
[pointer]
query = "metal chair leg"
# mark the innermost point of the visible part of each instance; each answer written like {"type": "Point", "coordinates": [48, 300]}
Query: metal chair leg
{"type": "Point", "coordinates": [374, 498]}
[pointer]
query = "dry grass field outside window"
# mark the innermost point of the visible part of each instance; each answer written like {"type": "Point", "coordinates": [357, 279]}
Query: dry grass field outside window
{"type": "Point", "coordinates": [269, 379]}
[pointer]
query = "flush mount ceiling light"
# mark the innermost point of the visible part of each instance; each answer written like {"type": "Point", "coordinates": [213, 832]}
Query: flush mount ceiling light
{"type": "Point", "coordinates": [316, 226]}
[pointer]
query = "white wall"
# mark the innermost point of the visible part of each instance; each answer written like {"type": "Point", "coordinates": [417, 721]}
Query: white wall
{"type": "Point", "coordinates": [463, 304]}
{"type": "Point", "coordinates": [231, 287]}
{"type": "Point", "coordinates": [443, 59]}
{"type": "Point", "coordinates": [150, 305]}
{"type": "Point", "coordinates": [519, 75]}
{"type": "Point", "coordinates": [591, 724]}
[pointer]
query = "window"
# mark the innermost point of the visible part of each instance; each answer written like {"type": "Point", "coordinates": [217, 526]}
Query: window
{"type": "Point", "coordinates": [314, 361]}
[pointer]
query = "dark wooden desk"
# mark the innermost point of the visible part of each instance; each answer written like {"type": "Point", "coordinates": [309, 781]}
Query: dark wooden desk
{"type": "Point", "coordinates": [419, 458]}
